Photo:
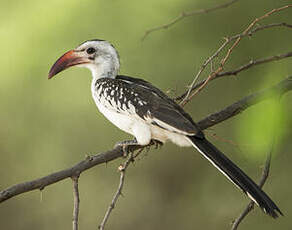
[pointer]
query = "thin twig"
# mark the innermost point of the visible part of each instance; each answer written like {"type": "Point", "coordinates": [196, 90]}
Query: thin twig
{"type": "Point", "coordinates": [250, 206]}
{"type": "Point", "coordinates": [209, 60]}
{"type": "Point", "coordinates": [264, 177]}
{"type": "Point", "coordinates": [76, 202]}
{"type": "Point", "coordinates": [258, 28]}
{"type": "Point", "coordinates": [246, 32]}
{"type": "Point", "coordinates": [221, 139]}
{"type": "Point", "coordinates": [122, 168]}
{"type": "Point", "coordinates": [246, 66]}
{"type": "Point", "coordinates": [187, 14]}
{"type": "Point", "coordinates": [255, 62]}
{"type": "Point", "coordinates": [209, 121]}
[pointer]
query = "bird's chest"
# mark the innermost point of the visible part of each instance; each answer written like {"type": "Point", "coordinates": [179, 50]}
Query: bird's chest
{"type": "Point", "coordinates": [115, 107]}
{"type": "Point", "coordinates": [120, 120]}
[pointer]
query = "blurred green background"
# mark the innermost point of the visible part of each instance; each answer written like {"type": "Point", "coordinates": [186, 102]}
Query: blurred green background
{"type": "Point", "coordinates": [51, 125]}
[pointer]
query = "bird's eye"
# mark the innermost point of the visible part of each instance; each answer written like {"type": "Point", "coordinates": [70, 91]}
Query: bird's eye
{"type": "Point", "coordinates": [90, 50]}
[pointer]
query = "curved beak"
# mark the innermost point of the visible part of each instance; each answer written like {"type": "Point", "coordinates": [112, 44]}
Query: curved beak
{"type": "Point", "coordinates": [71, 58]}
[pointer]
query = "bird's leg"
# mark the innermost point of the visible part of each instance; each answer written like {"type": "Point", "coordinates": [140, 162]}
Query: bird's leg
{"type": "Point", "coordinates": [131, 145]}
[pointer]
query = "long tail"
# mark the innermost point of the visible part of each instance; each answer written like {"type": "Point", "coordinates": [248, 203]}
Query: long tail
{"type": "Point", "coordinates": [235, 175]}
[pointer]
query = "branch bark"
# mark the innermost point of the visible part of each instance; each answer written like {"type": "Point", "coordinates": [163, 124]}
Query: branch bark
{"type": "Point", "coordinates": [211, 120]}
{"type": "Point", "coordinates": [122, 169]}
{"type": "Point", "coordinates": [76, 202]}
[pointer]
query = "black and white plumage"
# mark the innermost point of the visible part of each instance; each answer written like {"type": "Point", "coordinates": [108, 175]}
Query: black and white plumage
{"type": "Point", "coordinates": [139, 108]}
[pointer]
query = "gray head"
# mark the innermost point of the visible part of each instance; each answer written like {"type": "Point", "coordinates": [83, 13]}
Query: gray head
{"type": "Point", "coordinates": [99, 56]}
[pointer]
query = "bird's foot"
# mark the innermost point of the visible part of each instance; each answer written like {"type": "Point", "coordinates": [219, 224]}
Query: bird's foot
{"type": "Point", "coordinates": [128, 146]}
{"type": "Point", "coordinates": [157, 144]}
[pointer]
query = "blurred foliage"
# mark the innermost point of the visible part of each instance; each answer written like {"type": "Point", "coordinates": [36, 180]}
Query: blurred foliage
{"type": "Point", "coordinates": [263, 124]}
{"type": "Point", "coordinates": [50, 125]}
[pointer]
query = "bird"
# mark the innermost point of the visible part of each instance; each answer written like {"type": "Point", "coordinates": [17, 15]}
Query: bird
{"type": "Point", "coordinates": [144, 111]}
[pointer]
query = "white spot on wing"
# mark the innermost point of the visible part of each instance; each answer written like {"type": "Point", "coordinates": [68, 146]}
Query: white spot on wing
{"type": "Point", "coordinates": [124, 106]}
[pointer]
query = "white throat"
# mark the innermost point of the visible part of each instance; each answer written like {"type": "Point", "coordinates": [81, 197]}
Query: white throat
{"type": "Point", "coordinates": [104, 68]}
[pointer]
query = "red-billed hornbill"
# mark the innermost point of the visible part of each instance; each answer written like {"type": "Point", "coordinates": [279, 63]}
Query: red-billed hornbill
{"type": "Point", "coordinates": [139, 108]}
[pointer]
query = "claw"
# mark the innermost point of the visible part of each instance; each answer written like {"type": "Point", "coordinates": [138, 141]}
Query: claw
{"type": "Point", "coordinates": [157, 144]}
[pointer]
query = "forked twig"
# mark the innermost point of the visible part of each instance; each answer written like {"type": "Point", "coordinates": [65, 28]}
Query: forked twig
{"type": "Point", "coordinates": [122, 169]}
{"type": "Point", "coordinates": [244, 67]}
{"type": "Point", "coordinates": [247, 32]}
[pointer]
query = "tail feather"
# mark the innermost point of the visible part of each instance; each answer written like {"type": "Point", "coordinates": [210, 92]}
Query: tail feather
{"type": "Point", "coordinates": [235, 175]}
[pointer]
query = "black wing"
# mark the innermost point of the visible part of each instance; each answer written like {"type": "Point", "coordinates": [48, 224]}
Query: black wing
{"type": "Point", "coordinates": [160, 107]}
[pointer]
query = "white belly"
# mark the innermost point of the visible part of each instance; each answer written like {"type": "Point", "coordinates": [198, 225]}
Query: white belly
{"type": "Point", "coordinates": [129, 123]}
{"type": "Point", "coordinates": [122, 121]}
{"type": "Point", "coordinates": [142, 130]}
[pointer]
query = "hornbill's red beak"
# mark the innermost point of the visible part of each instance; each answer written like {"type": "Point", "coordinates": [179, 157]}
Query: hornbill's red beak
{"type": "Point", "coordinates": [71, 58]}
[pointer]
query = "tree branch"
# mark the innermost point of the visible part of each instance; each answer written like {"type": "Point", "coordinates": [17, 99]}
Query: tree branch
{"type": "Point", "coordinates": [238, 37]}
{"type": "Point", "coordinates": [258, 28]}
{"type": "Point", "coordinates": [41, 183]}
{"type": "Point", "coordinates": [250, 206]}
{"type": "Point", "coordinates": [187, 14]}
{"type": "Point", "coordinates": [76, 202]}
{"type": "Point", "coordinates": [246, 66]}
{"type": "Point", "coordinates": [211, 120]}
{"type": "Point", "coordinates": [122, 169]}
{"type": "Point", "coordinates": [241, 105]}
